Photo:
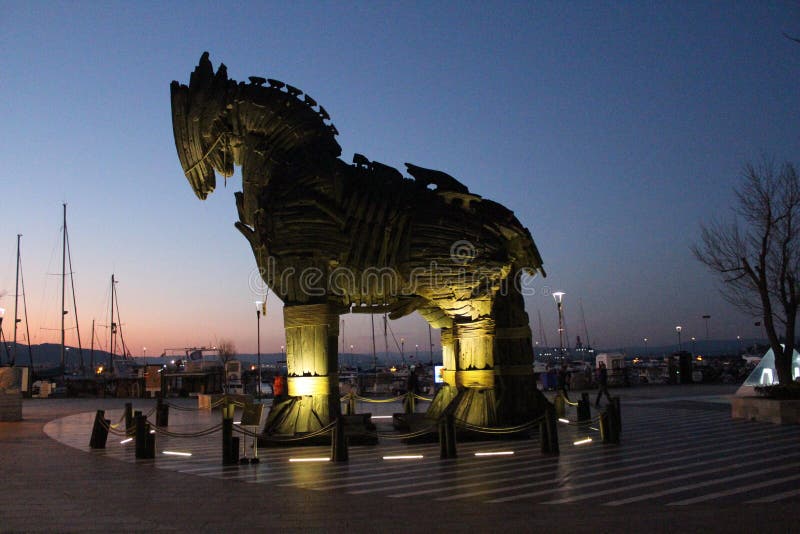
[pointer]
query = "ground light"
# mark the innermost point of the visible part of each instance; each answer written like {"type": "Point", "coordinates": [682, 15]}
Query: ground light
{"type": "Point", "coordinates": [562, 420]}
{"type": "Point", "coordinates": [124, 441]}
{"type": "Point", "coordinates": [582, 441]}
{"type": "Point", "coordinates": [382, 416]}
{"type": "Point", "coordinates": [495, 453]}
{"type": "Point", "coordinates": [176, 453]}
{"type": "Point", "coordinates": [319, 459]}
{"type": "Point", "coordinates": [404, 457]}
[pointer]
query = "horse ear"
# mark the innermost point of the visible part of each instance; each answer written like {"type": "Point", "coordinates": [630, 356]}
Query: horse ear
{"type": "Point", "coordinates": [222, 74]}
{"type": "Point", "coordinates": [203, 73]}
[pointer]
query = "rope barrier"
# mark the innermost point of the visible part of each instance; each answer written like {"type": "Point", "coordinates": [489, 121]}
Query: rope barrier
{"type": "Point", "coordinates": [119, 421]}
{"type": "Point", "coordinates": [500, 430]}
{"type": "Point", "coordinates": [198, 434]}
{"type": "Point", "coordinates": [420, 432]}
{"type": "Point", "coordinates": [595, 419]}
{"type": "Point", "coordinates": [379, 401]}
{"type": "Point", "coordinates": [319, 432]}
{"type": "Point", "coordinates": [420, 397]}
{"type": "Point", "coordinates": [111, 429]}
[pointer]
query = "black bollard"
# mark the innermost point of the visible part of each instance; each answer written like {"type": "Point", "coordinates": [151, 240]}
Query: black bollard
{"type": "Point", "coordinates": [552, 430]}
{"type": "Point", "coordinates": [442, 439]}
{"type": "Point", "coordinates": [162, 413]}
{"type": "Point", "coordinates": [142, 436]}
{"type": "Point", "coordinates": [99, 431]}
{"type": "Point", "coordinates": [604, 427]}
{"type": "Point", "coordinates": [584, 411]}
{"type": "Point", "coordinates": [617, 414]}
{"type": "Point", "coordinates": [229, 456]}
{"type": "Point", "coordinates": [450, 435]}
{"type": "Point", "coordinates": [128, 419]}
{"type": "Point", "coordinates": [339, 451]}
{"type": "Point", "coordinates": [351, 404]}
{"type": "Point", "coordinates": [544, 440]}
{"type": "Point", "coordinates": [150, 444]}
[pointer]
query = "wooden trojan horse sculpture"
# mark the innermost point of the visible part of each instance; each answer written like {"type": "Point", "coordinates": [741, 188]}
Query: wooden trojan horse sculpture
{"type": "Point", "coordinates": [329, 237]}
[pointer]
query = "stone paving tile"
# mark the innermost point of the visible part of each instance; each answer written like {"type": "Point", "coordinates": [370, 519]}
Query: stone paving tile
{"type": "Point", "coordinates": [48, 486]}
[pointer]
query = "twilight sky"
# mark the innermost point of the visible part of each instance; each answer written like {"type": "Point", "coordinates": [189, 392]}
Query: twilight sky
{"type": "Point", "coordinates": [611, 129]}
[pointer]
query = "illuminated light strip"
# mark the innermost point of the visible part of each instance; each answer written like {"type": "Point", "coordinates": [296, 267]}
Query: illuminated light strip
{"type": "Point", "coordinates": [582, 441]}
{"type": "Point", "coordinates": [152, 431]}
{"type": "Point", "coordinates": [237, 422]}
{"type": "Point", "coordinates": [124, 441]}
{"type": "Point", "coordinates": [382, 416]}
{"type": "Point", "coordinates": [404, 457]}
{"type": "Point", "coordinates": [176, 453]}
{"type": "Point", "coordinates": [595, 429]}
{"type": "Point", "coordinates": [310, 459]}
{"type": "Point", "coordinates": [562, 420]}
{"type": "Point", "coordinates": [498, 453]}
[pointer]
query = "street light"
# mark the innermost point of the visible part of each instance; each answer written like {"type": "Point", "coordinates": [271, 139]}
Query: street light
{"type": "Point", "coordinates": [402, 350]}
{"type": "Point", "coordinates": [259, 307]}
{"type": "Point", "coordinates": [693, 340]}
{"type": "Point", "coordinates": [706, 318]}
{"type": "Point", "coordinates": [645, 346]}
{"type": "Point", "coordinates": [416, 352]}
{"type": "Point", "coordinates": [558, 296]}
{"type": "Point", "coordinates": [678, 330]}
{"type": "Point", "coordinates": [144, 353]}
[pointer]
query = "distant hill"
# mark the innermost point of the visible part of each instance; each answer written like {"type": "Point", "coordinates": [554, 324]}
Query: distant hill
{"type": "Point", "coordinates": [48, 355]}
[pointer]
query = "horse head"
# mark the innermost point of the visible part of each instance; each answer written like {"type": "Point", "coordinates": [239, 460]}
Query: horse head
{"type": "Point", "coordinates": [219, 123]}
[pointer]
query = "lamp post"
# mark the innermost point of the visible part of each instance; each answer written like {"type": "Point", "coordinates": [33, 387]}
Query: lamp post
{"type": "Point", "coordinates": [402, 350]}
{"type": "Point", "coordinates": [416, 352]}
{"type": "Point", "coordinates": [558, 296]}
{"type": "Point", "coordinates": [2, 312]}
{"type": "Point", "coordinates": [645, 346]}
{"type": "Point", "coordinates": [706, 318]}
{"type": "Point", "coordinates": [144, 355]}
{"type": "Point", "coordinates": [739, 341]}
{"type": "Point", "coordinates": [678, 330]}
{"type": "Point", "coordinates": [693, 350]}
{"type": "Point", "coordinates": [259, 307]}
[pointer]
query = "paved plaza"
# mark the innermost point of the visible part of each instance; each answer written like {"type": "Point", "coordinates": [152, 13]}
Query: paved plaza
{"type": "Point", "coordinates": [682, 463]}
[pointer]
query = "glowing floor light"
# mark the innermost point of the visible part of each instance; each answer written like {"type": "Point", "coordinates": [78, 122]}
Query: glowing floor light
{"type": "Point", "coordinates": [404, 457]}
{"type": "Point", "coordinates": [124, 441]}
{"type": "Point", "coordinates": [177, 453]}
{"type": "Point", "coordinates": [582, 441]}
{"type": "Point", "coordinates": [562, 420]}
{"type": "Point", "coordinates": [382, 416]}
{"type": "Point", "coordinates": [319, 459]}
{"type": "Point", "coordinates": [495, 453]}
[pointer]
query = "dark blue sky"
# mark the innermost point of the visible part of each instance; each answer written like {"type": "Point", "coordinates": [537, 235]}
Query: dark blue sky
{"type": "Point", "coordinates": [612, 129]}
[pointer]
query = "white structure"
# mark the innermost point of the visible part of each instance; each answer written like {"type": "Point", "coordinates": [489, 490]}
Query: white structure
{"type": "Point", "coordinates": [765, 374]}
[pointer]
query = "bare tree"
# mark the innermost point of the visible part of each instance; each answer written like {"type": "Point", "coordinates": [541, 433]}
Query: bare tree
{"type": "Point", "coordinates": [757, 255]}
{"type": "Point", "coordinates": [226, 350]}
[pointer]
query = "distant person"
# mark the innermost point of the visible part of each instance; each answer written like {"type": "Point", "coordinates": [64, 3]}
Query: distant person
{"type": "Point", "coordinates": [563, 379]}
{"type": "Point", "coordinates": [602, 384]}
{"type": "Point", "coordinates": [279, 387]}
{"type": "Point", "coordinates": [413, 382]}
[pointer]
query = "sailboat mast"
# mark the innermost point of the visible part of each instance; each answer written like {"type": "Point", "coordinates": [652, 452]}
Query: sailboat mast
{"type": "Point", "coordinates": [16, 302]}
{"type": "Point", "coordinates": [583, 318]}
{"type": "Point", "coordinates": [542, 333]}
{"type": "Point", "coordinates": [63, 285]}
{"type": "Point", "coordinates": [91, 351]}
{"type": "Point", "coordinates": [113, 326]}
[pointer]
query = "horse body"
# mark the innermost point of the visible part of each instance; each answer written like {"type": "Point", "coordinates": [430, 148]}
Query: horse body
{"type": "Point", "coordinates": [328, 235]}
